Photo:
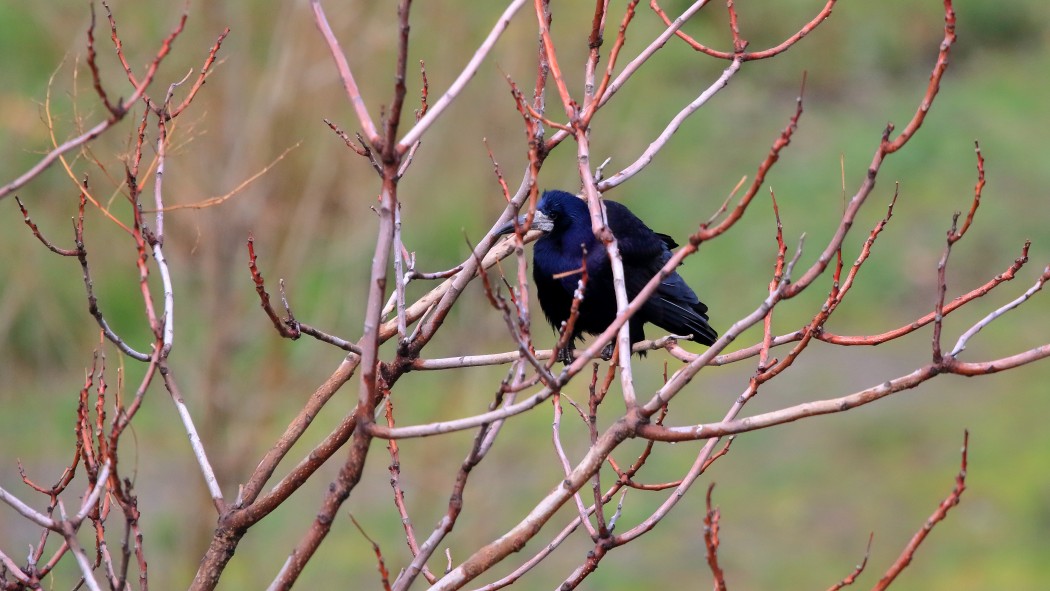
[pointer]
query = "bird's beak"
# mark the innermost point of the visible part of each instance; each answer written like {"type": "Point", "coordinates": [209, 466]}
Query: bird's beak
{"type": "Point", "coordinates": [540, 222]}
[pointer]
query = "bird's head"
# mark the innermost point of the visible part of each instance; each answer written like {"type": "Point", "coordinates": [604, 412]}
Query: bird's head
{"type": "Point", "coordinates": [556, 211]}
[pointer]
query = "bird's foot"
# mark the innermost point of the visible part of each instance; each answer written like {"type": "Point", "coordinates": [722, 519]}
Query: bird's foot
{"type": "Point", "coordinates": [607, 351]}
{"type": "Point", "coordinates": [566, 355]}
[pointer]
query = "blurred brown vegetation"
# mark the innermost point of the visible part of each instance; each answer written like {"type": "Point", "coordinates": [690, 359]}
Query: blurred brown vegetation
{"type": "Point", "coordinates": [797, 501]}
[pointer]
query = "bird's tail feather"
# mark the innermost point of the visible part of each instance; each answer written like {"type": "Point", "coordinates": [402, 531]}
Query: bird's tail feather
{"type": "Point", "coordinates": [679, 319]}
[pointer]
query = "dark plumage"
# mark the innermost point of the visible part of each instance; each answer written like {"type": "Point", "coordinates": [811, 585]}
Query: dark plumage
{"type": "Point", "coordinates": [565, 220]}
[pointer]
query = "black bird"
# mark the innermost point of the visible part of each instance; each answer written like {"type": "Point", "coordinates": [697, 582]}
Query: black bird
{"type": "Point", "coordinates": [566, 224]}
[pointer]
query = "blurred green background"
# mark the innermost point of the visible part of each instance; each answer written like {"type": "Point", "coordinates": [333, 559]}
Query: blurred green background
{"type": "Point", "coordinates": [798, 501]}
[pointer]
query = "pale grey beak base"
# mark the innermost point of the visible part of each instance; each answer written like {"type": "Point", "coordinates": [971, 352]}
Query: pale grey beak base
{"type": "Point", "coordinates": [540, 222]}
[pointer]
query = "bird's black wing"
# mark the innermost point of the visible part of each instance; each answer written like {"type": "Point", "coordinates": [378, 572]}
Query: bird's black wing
{"type": "Point", "coordinates": [638, 244]}
{"type": "Point", "coordinates": [674, 306]}
{"type": "Point", "coordinates": [667, 240]}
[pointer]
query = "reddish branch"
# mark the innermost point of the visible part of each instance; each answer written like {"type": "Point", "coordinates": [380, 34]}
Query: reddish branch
{"type": "Point", "coordinates": [843, 403]}
{"type": "Point", "coordinates": [738, 43]}
{"type": "Point", "coordinates": [105, 487]}
{"type": "Point", "coordinates": [78, 227]}
{"type": "Point", "coordinates": [706, 232]}
{"type": "Point", "coordinates": [349, 83]}
{"type": "Point", "coordinates": [778, 277]}
{"type": "Point", "coordinates": [494, 551]}
{"type": "Point", "coordinates": [481, 445]}
{"type": "Point", "coordinates": [946, 505]}
{"type": "Point", "coordinates": [384, 575]}
{"type": "Point", "coordinates": [932, 88]}
{"type": "Point", "coordinates": [594, 99]}
{"type": "Point", "coordinates": [116, 112]}
{"type": "Point", "coordinates": [857, 570]}
{"type": "Point", "coordinates": [711, 541]}
{"type": "Point", "coordinates": [877, 339]}
{"type": "Point", "coordinates": [768, 370]}
{"type": "Point", "coordinates": [977, 190]}
{"type": "Point", "coordinates": [886, 147]}
{"type": "Point", "coordinates": [288, 327]}
{"type": "Point", "coordinates": [98, 439]}
{"type": "Point", "coordinates": [370, 387]}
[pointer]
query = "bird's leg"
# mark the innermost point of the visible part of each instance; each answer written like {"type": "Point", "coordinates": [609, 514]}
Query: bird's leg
{"type": "Point", "coordinates": [607, 351]}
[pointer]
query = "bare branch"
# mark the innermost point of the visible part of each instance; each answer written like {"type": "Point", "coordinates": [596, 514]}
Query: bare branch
{"type": "Point", "coordinates": [349, 84]}
{"type": "Point", "coordinates": [946, 505]}
{"type": "Point", "coordinates": [461, 81]}
{"type": "Point", "coordinates": [852, 577]}
{"type": "Point", "coordinates": [711, 541]}
{"type": "Point", "coordinates": [961, 343]}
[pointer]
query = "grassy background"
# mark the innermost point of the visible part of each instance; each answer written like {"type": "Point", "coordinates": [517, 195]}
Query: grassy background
{"type": "Point", "coordinates": [797, 501]}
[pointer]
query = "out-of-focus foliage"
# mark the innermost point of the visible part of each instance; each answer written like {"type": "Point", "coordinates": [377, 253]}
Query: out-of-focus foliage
{"type": "Point", "coordinates": [797, 501]}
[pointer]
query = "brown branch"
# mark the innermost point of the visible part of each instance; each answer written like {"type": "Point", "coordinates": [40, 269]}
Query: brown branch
{"type": "Point", "coordinates": [843, 403]}
{"type": "Point", "coordinates": [399, 494]}
{"type": "Point", "coordinates": [93, 307]}
{"type": "Point", "coordinates": [363, 150]}
{"type": "Point", "coordinates": [163, 109]}
{"type": "Point", "coordinates": [518, 328]}
{"type": "Point", "coordinates": [961, 343]}
{"type": "Point", "coordinates": [948, 308]}
{"type": "Point", "coordinates": [67, 476]}
{"type": "Point", "coordinates": [49, 122]}
{"type": "Point", "coordinates": [116, 113]}
{"type": "Point", "coordinates": [711, 541]}
{"type": "Point", "coordinates": [857, 570]}
{"type": "Point", "coordinates": [543, 22]}
{"type": "Point", "coordinates": [942, 289]}
{"type": "Point", "coordinates": [66, 252]}
{"type": "Point", "coordinates": [483, 441]}
{"type": "Point", "coordinates": [164, 48]}
{"type": "Point", "coordinates": [381, 565]}
{"type": "Point", "coordinates": [565, 344]}
{"type": "Point", "coordinates": [199, 82]}
{"type": "Point", "coordinates": [371, 388]}
{"type": "Point", "coordinates": [837, 293]}
{"type": "Point", "coordinates": [218, 200]}
{"type": "Point", "coordinates": [738, 48]}
{"type": "Point", "coordinates": [706, 232]}
{"type": "Point", "coordinates": [427, 120]}
{"type": "Point", "coordinates": [946, 505]}
{"type": "Point", "coordinates": [288, 327]}
{"type": "Point", "coordinates": [349, 84]}
{"type": "Point", "coordinates": [778, 276]}
{"type": "Point", "coordinates": [96, 78]}
{"type": "Point", "coordinates": [739, 44]}
{"type": "Point", "coordinates": [594, 102]}
{"type": "Point", "coordinates": [931, 89]}
{"type": "Point", "coordinates": [977, 189]}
